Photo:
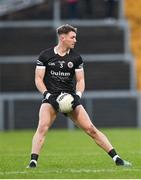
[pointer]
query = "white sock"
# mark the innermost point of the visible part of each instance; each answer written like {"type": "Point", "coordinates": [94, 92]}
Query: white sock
{"type": "Point", "coordinates": [33, 161]}
{"type": "Point", "coordinates": [115, 157]}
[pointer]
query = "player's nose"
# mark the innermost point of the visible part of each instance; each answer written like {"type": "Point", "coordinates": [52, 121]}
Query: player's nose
{"type": "Point", "coordinates": [75, 40]}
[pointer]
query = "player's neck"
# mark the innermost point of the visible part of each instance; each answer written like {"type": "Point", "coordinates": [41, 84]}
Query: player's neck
{"type": "Point", "coordinates": [61, 50]}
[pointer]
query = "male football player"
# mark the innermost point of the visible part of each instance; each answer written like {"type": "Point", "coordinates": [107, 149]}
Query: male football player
{"type": "Point", "coordinates": [55, 72]}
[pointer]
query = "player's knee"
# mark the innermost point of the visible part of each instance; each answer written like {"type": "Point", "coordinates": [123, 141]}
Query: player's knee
{"type": "Point", "coordinates": [42, 129]}
{"type": "Point", "coordinates": [91, 131]}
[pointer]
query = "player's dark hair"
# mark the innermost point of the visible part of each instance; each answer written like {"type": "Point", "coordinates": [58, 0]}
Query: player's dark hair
{"type": "Point", "coordinates": [65, 29]}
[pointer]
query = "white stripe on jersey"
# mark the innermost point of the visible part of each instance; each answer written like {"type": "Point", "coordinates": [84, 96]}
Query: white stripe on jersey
{"type": "Point", "coordinates": [41, 67]}
{"type": "Point", "coordinates": [81, 69]}
{"type": "Point", "coordinates": [39, 62]}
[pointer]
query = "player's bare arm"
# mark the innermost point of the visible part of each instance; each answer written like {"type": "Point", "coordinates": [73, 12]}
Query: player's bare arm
{"type": "Point", "coordinates": [39, 77]}
{"type": "Point", "coordinates": [80, 81]}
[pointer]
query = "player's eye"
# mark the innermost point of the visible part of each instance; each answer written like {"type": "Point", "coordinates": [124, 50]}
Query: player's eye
{"type": "Point", "coordinates": [73, 37]}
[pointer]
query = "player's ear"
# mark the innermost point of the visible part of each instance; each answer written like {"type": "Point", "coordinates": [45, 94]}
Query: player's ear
{"type": "Point", "coordinates": [62, 37]}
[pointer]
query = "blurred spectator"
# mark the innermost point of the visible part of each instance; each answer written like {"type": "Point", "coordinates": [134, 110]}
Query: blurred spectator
{"type": "Point", "coordinates": [72, 9]}
{"type": "Point", "coordinates": [89, 10]}
{"type": "Point", "coordinates": [110, 9]}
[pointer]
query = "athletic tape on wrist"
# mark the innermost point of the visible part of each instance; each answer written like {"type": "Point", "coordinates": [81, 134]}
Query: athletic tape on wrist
{"type": "Point", "coordinates": [79, 94]}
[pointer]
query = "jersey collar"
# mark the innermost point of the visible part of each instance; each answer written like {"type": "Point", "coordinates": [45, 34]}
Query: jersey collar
{"type": "Point", "coordinates": [55, 50]}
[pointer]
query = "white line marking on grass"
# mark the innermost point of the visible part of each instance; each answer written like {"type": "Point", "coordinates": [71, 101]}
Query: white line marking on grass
{"type": "Point", "coordinates": [13, 172]}
{"type": "Point", "coordinates": [60, 171]}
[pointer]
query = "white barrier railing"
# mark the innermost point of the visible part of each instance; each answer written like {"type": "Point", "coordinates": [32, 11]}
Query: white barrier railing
{"type": "Point", "coordinates": [88, 96]}
{"type": "Point", "coordinates": [8, 6]}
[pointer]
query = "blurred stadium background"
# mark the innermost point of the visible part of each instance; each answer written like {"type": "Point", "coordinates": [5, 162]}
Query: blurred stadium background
{"type": "Point", "coordinates": [110, 47]}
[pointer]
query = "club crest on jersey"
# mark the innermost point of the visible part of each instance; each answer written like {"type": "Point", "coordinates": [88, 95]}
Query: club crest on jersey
{"type": "Point", "coordinates": [70, 64]}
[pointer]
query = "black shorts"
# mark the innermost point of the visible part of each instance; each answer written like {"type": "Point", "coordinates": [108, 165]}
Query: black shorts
{"type": "Point", "coordinates": [54, 96]}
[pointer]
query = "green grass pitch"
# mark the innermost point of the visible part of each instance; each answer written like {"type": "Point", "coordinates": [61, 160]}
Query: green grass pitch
{"type": "Point", "coordinates": [70, 155]}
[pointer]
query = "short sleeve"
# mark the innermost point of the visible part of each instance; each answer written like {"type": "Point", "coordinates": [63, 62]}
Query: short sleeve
{"type": "Point", "coordinates": [79, 64]}
{"type": "Point", "coordinates": [40, 61]}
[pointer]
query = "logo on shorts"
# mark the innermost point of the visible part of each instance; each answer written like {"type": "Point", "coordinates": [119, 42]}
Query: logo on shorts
{"type": "Point", "coordinates": [70, 64]}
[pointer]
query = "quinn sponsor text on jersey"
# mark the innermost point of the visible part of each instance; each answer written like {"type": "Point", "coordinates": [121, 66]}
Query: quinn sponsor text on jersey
{"type": "Point", "coordinates": [59, 71]}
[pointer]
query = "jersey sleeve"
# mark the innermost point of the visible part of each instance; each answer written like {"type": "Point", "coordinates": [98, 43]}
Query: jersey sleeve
{"type": "Point", "coordinates": [40, 63]}
{"type": "Point", "coordinates": [79, 64]}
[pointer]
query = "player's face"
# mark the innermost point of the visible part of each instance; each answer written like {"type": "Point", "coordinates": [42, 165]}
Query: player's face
{"type": "Point", "coordinates": [69, 40]}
